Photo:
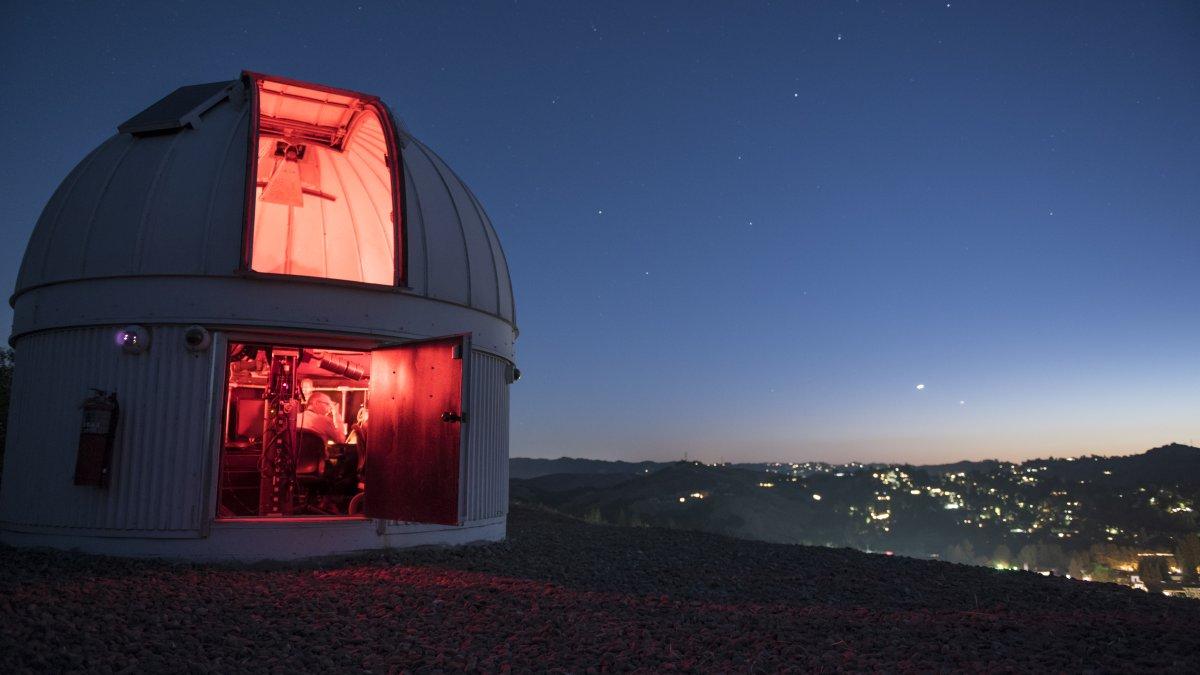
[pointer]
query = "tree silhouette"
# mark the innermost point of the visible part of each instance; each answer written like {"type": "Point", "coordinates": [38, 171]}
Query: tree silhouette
{"type": "Point", "coordinates": [1188, 556]}
{"type": "Point", "coordinates": [1080, 564]}
{"type": "Point", "coordinates": [962, 553]}
{"type": "Point", "coordinates": [1028, 556]}
{"type": "Point", "coordinates": [1153, 571]}
{"type": "Point", "coordinates": [1003, 555]}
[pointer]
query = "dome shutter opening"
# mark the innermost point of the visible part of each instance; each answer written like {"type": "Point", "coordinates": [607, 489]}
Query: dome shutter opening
{"type": "Point", "coordinates": [325, 189]}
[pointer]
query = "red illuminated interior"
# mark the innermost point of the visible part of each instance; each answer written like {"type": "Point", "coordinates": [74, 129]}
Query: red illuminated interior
{"type": "Point", "coordinates": [323, 406]}
{"type": "Point", "coordinates": [318, 432]}
{"type": "Point", "coordinates": [325, 193]}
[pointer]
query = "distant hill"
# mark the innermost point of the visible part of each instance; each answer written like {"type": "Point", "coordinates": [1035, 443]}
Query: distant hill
{"type": "Point", "coordinates": [525, 467]}
{"type": "Point", "coordinates": [1046, 513]}
{"type": "Point", "coordinates": [564, 482]}
{"type": "Point", "coordinates": [1166, 464]}
{"type": "Point", "coordinates": [1174, 464]}
{"type": "Point", "coordinates": [965, 465]}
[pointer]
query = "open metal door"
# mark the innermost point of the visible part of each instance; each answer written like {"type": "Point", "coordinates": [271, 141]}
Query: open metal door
{"type": "Point", "coordinates": [414, 433]}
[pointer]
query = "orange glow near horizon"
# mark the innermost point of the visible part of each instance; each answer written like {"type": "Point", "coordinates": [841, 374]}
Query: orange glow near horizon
{"type": "Point", "coordinates": [324, 200]}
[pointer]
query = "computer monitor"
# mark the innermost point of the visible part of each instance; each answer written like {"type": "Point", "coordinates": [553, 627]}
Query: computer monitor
{"type": "Point", "coordinates": [249, 418]}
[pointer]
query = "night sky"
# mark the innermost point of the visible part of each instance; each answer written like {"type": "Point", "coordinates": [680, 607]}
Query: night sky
{"type": "Point", "coordinates": [748, 231]}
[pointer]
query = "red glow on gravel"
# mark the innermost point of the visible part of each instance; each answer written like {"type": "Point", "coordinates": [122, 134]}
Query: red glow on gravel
{"type": "Point", "coordinates": [383, 618]}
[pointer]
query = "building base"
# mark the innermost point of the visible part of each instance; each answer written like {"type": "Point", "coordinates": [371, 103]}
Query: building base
{"type": "Point", "coordinates": [250, 541]}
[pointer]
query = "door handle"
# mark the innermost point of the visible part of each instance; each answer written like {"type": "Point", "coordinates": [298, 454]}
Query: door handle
{"type": "Point", "coordinates": [453, 417]}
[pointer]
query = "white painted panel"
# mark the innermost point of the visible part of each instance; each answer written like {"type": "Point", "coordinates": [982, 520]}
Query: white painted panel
{"type": "Point", "coordinates": [162, 450]}
{"type": "Point", "coordinates": [485, 478]}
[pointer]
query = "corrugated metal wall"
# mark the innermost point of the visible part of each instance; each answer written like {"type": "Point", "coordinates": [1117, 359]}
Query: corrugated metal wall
{"type": "Point", "coordinates": [163, 448]}
{"type": "Point", "coordinates": [161, 466]}
{"type": "Point", "coordinates": [485, 465]}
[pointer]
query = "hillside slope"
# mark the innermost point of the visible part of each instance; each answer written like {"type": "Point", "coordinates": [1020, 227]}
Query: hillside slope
{"type": "Point", "coordinates": [1062, 512]}
{"type": "Point", "coordinates": [526, 467]}
{"type": "Point", "coordinates": [562, 594]}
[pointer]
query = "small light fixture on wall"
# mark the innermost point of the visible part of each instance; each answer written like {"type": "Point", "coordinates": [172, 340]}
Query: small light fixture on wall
{"type": "Point", "coordinates": [133, 339]}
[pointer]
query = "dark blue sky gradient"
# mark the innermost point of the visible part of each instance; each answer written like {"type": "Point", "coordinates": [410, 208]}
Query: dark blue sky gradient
{"type": "Point", "coordinates": [748, 231]}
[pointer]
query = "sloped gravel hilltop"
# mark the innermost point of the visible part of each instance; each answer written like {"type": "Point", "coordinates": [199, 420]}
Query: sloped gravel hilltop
{"type": "Point", "coordinates": [565, 596]}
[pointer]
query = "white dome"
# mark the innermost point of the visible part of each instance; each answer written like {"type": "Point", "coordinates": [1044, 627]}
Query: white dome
{"type": "Point", "coordinates": [167, 203]}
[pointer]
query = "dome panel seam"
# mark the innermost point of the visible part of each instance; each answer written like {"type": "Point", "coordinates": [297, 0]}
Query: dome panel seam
{"type": "Point", "coordinates": [416, 198]}
{"type": "Point", "coordinates": [87, 163]}
{"type": "Point", "coordinates": [458, 216]}
{"type": "Point", "coordinates": [135, 261]}
{"type": "Point", "coordinates": [91, 222]}
{"type": "Point", "coordinates": [212, 196]}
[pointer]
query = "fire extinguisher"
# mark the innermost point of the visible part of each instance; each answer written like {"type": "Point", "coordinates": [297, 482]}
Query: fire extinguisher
{"type": "Point", "coordinates": [100, 412]}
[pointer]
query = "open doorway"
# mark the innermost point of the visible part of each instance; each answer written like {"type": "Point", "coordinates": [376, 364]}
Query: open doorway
{"type": "Point", "coordinates": [312, 431]}
{"type": "Point", "coordinates": [294, 425]}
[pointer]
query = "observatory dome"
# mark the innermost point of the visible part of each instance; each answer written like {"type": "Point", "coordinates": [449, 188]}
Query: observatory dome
{"type": "Point", "coordinates": [262, 320]}
{"type": "Point", "coordinates": [161, 206]}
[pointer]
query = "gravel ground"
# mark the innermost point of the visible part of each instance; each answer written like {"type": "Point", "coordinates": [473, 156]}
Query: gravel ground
{"type": "Point", "coordinates": [562, 595]}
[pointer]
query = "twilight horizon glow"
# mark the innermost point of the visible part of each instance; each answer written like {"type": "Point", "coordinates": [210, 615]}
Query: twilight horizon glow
{"type": "Point", "coordinates": [750, 235]}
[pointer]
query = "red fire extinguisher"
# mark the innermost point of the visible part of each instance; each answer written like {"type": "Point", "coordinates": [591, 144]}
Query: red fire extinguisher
{"type": "Point", "coordinates": [100, 412]}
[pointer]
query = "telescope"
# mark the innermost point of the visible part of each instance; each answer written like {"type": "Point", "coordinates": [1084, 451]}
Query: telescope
{"type": "Point", "coordinates": [334, 365]}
